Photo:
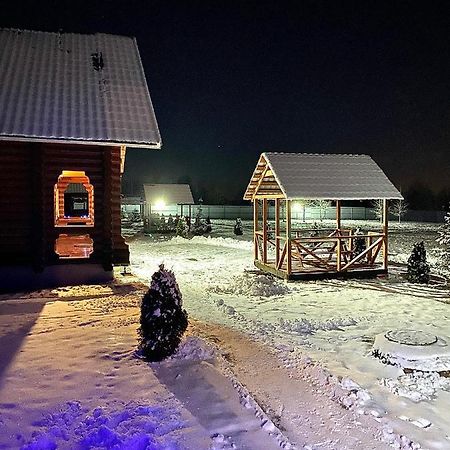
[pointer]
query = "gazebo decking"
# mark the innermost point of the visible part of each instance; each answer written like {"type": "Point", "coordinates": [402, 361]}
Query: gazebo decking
{"type": "Point", "coordinates": [281, 179]}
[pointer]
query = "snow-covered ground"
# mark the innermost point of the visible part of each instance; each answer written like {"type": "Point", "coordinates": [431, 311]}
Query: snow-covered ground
{"type": "Point", "coordinates": [265, 364]}
{"type": "Point", "coordinates": [331, 322]}
{"type": "Point", "coordinates": [70, 379]}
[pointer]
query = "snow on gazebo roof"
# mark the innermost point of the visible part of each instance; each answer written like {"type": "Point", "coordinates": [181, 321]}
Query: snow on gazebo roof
{"type": "Point", "coordinates": [295, 176]}
{"type": "Point", "coordinates": [169, 194]}
{"type": "Point", "coordinates": [81, 88]}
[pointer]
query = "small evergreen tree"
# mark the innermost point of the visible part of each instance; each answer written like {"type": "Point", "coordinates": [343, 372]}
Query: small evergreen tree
{"type": "Point", "coordinates": [200, 226]}
{"type": "Point", "coordinates": [238, 230]}
{"type": "Point", "coordinates": [359, 243]}
{"type": "Point", "coordinates": [163, 320]}
{"type": "Point", "coordinates": [181, 227]}
{"type": "Point", "coordinates": [418, 268]}
{"type": "Point", "coordinates": [444, 239]}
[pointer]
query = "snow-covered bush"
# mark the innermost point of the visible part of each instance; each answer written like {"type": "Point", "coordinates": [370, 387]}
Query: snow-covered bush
{"type": "Point", "coordinates": [418, 268]}
{"type": "Point", "coordinates": [163, 320]}
{"type": "Point", "coordinates": [444, 239]}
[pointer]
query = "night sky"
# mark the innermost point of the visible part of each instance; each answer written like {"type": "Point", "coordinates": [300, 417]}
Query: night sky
{"type": "Point", "coordinates": [230, 80]}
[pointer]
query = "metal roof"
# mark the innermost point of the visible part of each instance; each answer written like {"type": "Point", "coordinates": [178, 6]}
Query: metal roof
{"type": "Point", "coordinates": [170, 194]}
{"type": "Point", "coordinates": [322, 177]}
{"type": "Point", "coordinates": [74, 87]}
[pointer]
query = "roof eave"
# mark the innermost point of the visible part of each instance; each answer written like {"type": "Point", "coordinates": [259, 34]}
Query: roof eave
{"type": "Point", "coordinates": [153, 145]}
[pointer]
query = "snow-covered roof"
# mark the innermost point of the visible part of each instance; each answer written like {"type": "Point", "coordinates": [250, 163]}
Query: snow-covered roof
{"type": "Point", "coordinates": [131, 200]}
{"type": "Point", "coordinates": [169, 194]}
{"type": "Point", "coordinates": [74, 87]}
{"type": "Point", "coordinates": [319, 176]}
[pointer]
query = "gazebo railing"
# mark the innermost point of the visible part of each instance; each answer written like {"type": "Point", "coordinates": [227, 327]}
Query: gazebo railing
{"type": "Point", "coordinates": [334, 252]}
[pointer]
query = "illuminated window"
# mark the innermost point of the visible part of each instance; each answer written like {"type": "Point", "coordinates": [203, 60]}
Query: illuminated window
{"type": "Point", "coordinates": [74, 246]}
{"type": "Point", "coordinates": [74, 200]}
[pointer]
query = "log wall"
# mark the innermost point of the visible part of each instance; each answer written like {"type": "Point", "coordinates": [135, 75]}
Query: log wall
{"type": "Point", "coordinates": [29, 172]}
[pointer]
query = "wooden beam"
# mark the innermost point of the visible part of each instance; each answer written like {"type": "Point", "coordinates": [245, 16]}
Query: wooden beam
{"type": "Point", "coordinates": [107, 257]}
{"type": "Point", "coordinates": [261, 178]}
{"type": "Point", "coordinates": [365, 252]}
{"type": "Point", "coordinates": [255, 228]}
{"type": "Point", "coordinates": [301, 248]}
{"type": "Point", "coordinates": [385, 232]}
{"type": "Point", "coordinates": [277, 230]}
{"type": "Point", "coordinates": [338, 214]}
{"type": "Point", "coordinates": [338, 255]}
{"type": "Point", "coordinates": [283, 255]}
{"type": "Point", "coordinates": [264, 223]}
{"type": "Point", "coordinates": [288, 238]}
{"type": "Point", "coordinates": [269, 196]}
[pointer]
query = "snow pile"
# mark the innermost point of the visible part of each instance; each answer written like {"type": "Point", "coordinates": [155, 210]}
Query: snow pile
{"type": "Point", "coordinates": [252, 285]}
{"type": "Point", "coordinates": [194, 348]}
{"type": "Point", "coordinates": [221, 442]}
{"type": "Point", "coordinates": [133, 426]}
{"type": "Point", "coordinates": [306, 326]}
{"type": "Point", "coordinates": [427, 356]}
{"type": "Point", "coordinates": [417, 385]}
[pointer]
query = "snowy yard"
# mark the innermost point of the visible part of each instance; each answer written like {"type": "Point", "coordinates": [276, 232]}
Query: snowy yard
{"type": "Point", "coordinates": [333, 322]}
{"type": "Point", "coordinates": [260, 369]}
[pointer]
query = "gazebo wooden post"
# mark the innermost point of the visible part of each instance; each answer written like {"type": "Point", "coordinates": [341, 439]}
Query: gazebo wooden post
{"type": "Point", "coordinates": [385, 234]}
{"type": "Point", "coordinates": [264, 222]}
{"type": "Point", "coordinates": [255, 228]}
{"type": "Point", "coordinates": [277, 231]}
{"type": "Point", "coordinates": [338, 214]}
{"type": "Point", "coordinates": [338, 234]}
{"type": "Point", "coordinates": [288, 238]}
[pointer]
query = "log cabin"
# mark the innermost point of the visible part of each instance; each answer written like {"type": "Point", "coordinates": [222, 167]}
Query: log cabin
{"type": "Point", "coordinates": [70, 106]}
{"type": "Point", "coordinates": [290, 251]}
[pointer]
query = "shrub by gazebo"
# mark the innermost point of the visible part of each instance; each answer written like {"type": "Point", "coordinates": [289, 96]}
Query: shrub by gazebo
{"type": "Point", "coordinates": [280, 179]}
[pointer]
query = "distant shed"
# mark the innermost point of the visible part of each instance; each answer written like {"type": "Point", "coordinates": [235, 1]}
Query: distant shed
{"type": "Point", "coordinates": [167, 197]}
{"type": "Point", "coordinates": [70, 106]}
{"type": "Point", "coordinates": [284, 178]}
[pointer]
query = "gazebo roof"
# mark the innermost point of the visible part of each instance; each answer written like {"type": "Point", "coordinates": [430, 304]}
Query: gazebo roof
{"type": "Point", "coordinates": [295, 176]}
{"type": "Point", "coordinates": [170, 194]}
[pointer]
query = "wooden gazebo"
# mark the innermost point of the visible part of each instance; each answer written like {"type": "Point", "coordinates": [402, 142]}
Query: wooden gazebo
{"type": "Point", "coordinates": [298, 253]}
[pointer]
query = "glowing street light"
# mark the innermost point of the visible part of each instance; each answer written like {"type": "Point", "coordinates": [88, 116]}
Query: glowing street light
{"type": "Point", "coordinates": [159, 204]}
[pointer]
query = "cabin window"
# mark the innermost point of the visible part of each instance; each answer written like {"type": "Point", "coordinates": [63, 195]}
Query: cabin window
{"type": "Point", "coordinates": [74, 200]}
{"type": "Point", "coordinates": [74, 246]}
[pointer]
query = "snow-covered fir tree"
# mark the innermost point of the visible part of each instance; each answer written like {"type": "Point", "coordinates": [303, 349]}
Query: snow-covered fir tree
{"type": "Point", "coordinates": [163, 319]}
{"type": "Point", "coordinates": [181, 227]}
{"type": "Point", "coordinates": [238, 230]}
{"type": "Point", "coordinates": [418, 268]}
{"type": "Point", "coordinates": [444, 239]}
{"type": "Point", "coordinates": [359, 243]}
{"type": "Point", "coordinates": [200, 226]}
